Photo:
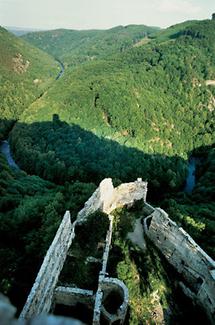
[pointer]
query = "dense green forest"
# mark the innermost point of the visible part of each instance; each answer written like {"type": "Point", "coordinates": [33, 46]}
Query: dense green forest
{"type": "Point", "coordinates": [75, 47]}
{"type": "Point", "coordinates": [133, 102]}
{"type": "Point", "coordinates": [25, 73]}
{"type": "Point", "coordinates": [31, 210]}
{"type": "Point", "coordinates": [61, 152]}
{"type": "Point", "coordinates": [153, 97]}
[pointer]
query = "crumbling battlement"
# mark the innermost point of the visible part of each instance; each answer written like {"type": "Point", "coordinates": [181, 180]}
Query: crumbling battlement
{"type": "Point", "coordinates": [43, 293]}
{"type": "Point", "coordinates": [180, 250]}
{"type": "Point", "coordinates": [107, 198]}
{"type": "Point", "coordinates": [100, 200]}
{"type": "Point", "coordinates": [127, 194]}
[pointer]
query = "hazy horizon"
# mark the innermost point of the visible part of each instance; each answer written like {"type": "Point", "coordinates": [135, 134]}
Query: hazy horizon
{"type": "Point", "coordinates": [100, 14]}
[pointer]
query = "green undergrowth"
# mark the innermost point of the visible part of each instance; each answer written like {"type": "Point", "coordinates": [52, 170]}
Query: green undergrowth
{"type": "Point", "coordinates": [31, 210]}
{"type": "Point", "coordinates": [142, 272]}
{"type": "Point", "coordinates": [78, 271]}
{"type": "Point", "coordinates": [154, 294]}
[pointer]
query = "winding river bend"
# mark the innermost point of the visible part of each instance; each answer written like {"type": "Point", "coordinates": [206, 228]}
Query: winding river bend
{"type": "Point", "coordinates": [5, 150]}
{"type": "Point", "coordinates": [60, 74]}
{"type": "Point", "coordinates": [4, 145]}
{"type": "Point", "coordinates": [190, 180]}
{"type": "Point", "coordinates": [191, 177]}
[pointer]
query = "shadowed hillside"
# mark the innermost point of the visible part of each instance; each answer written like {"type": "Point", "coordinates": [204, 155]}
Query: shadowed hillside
{"type": "Point", "coordinates": [154, 97]}
{"type": "Point", "coordinates": [31, 208]}
{"type": "Point", "coordinates": [61, 152]}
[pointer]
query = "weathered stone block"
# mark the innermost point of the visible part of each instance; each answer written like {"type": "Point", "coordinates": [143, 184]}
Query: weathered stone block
{"type": "Point", "coordinates": [186, 256]}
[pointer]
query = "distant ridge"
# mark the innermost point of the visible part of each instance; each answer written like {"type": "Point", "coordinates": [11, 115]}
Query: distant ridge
{"type": "Point", "coordinates": [77, 46]}
{"type": "Point", "coordinates": [19, 31]}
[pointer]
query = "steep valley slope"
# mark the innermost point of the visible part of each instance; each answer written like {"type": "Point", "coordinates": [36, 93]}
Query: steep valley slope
{"type": "Point", "coordinates": [25, 72]}
{"type": "Point", "coordinates": [133, 102]}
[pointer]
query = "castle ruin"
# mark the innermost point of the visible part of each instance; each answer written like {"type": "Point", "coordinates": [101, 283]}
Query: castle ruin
{"type": "Point", "coordinates": [45, 293]}
{"type": "Point", "coordinates": [179, 249]}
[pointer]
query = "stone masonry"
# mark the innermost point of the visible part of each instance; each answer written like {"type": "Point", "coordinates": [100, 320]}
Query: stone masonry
{"type": "Point", "coordinates": [105, 286]}
{"type": "Point", "coordinates": [181, 251]}
{"type": "Point", "coordinates": [44, 292]}
{"type": "Point", "coordinates": [40, 298]}
{"type": "Point", "coordinates": [107, 198]}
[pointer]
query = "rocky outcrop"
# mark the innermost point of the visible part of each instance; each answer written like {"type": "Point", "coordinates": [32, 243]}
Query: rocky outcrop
{"type": "Point", "coordinates": [19, 65]}
{"type": "Point", "coordinates": [181, 251]}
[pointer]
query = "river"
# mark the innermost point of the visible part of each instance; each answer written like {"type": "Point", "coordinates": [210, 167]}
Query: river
{"type": "Point", "coordinates": [60, 74]}
{"type": "Point", "coordinates": [191, 177]}
{"type": "Point", "coordinates": [5, 150]}
{"type": "Point", "coordinates": [190, 180]}
{"type": "Point", "coordinates": [4, 145]}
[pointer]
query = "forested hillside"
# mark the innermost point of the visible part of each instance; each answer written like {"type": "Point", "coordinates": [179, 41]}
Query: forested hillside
{"type": "Point", "coordinates": [146, 106]}
{"type": "Point", "coordinates": [153, 97]}
{"type": "Point", "coordinates": [25, 73]}
{"type": "Point", "coordinates": [30, 213]}
{"type": "Point", "coordinates": [74, 47]}
{"type": "Point", "coordinates": [133, 102]}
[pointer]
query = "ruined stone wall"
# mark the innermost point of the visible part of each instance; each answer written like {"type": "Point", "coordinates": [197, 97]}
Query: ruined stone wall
{"type": "Point", "coordinates": [175, 244]}
{"type": "Point", "coordinates": [127, 194]}
{"type": "Point", "coordinates": [71, 296]}
{"type": "Point", "coordinates": [107, 198]}
{"type": "Point", "coordinates": [106, 285]}
{"type": "Point", "coordinates": [99, 200]}
{"type": "Point", "coordinates": [102, 274]}
{"type": "Point", "coordinates": [148, 209]}
{"type": "Point", "coordinates": [112, 284]}
{"type": "Point", "coordinates": [7, 317]}
{"type": "Point", "coordinates": [180, 250]}
{"type": "Point", "coordinates": [40, 298]}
